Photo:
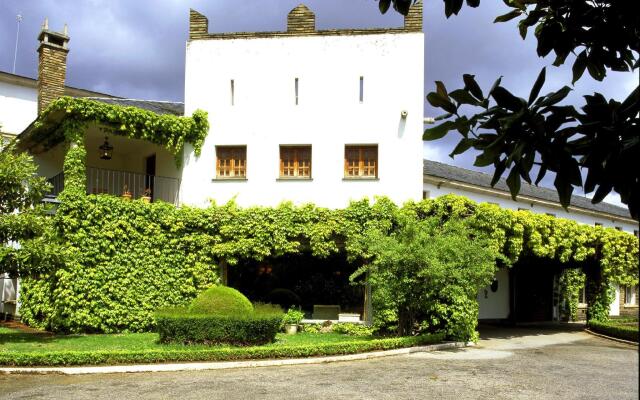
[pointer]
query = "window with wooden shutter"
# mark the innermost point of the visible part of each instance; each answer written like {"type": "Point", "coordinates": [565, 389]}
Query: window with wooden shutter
{"type": "Point", "coordinates": [231, 162]}
{"type": "Point", "coordinates": [295, 162]}
{"type": "Point", "coordinates": [361, 161]}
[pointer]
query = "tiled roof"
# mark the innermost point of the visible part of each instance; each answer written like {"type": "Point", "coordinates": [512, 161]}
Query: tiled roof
{"type": "Point", "coordinates": [158, 107]}
{"type": "Point", "coordinates": [457, 174]}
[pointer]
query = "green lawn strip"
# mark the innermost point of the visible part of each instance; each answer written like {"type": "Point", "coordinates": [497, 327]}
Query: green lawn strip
{"type": "Point", "coordinates": [620, 330]}
{"type": "Point", "coordinates": [141, 348]}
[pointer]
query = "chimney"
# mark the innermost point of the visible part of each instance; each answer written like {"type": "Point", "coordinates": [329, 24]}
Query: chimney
{"type": "Point", "coordinates": [413, 20]}
{"type": "Point", "coordinates": [198, 25]}
{"type": "Point", "coordinates": [301, 20]}
{"type": "Point", "coordinates": [52, 65]}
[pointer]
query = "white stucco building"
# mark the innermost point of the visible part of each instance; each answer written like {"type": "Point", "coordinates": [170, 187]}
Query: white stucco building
{"type": "Point", "coordinates": [19, 102]}
{"type": "Point", "coordinates": [306, 115]}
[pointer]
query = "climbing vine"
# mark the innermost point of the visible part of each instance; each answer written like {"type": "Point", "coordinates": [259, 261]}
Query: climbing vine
{"type": "Point", "coordinates": [124, 259]}
{"type": "Point", "coordinates": [169, 131]}
{"type": "Point", "coordinates": [127, 258]}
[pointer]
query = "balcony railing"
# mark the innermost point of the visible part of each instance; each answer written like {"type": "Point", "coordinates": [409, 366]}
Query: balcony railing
{"type": "Point", "coordinates": [104, 181]}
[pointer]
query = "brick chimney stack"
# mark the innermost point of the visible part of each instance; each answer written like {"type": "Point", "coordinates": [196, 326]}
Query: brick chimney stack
{"type": "Point", "coordinates": [52, 65]}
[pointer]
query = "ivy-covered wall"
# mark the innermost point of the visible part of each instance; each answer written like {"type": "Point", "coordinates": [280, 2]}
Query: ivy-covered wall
{"type": "Point", "coordinates": [124, 259]}
{"type": "Point", "coordinates": [127, 258]}
{"type": "Point", "coordinates": [169, 131]}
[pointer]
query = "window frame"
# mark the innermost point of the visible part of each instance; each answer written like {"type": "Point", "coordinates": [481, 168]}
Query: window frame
{"type": "Point", "coordinates": [361, 161]}
{"type": "Point", "coordinates": [233, 161]}
{"type": "Point", "coordinates": [297, 149]}
{"type": "Point", "coordinates": [633, 296]}
{"type": "Point", "coordinates": [582, 295]}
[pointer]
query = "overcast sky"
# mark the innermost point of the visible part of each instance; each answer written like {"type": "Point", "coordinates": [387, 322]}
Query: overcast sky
{"type": "Point", "coordinates": [136, 48]}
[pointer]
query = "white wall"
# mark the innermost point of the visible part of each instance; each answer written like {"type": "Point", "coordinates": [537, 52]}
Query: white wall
{"type": "Point", "coordinates": [508, 203]}
{"type": "Point", "coordinates": [18, 107]}
{"type": "Point", "coordinates": [8, 294]}
{"type": "Point", "coordinates": [329, 115]}
{"type": "Point", "coordinates": [495, 305]}
{"type": "Point", "coordinates": [614, 307]}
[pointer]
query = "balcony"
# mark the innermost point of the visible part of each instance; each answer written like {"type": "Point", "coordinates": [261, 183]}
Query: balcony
{"type": "Point", "coordinates": [104, 181]}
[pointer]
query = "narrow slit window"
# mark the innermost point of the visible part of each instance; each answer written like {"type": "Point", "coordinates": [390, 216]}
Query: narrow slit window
{"type": "Point", "coordinates": [233, 92]}
{"type": "Point", "coordinates": [361, 89]}
{"type": "Point", "coordinates": [297, 90]}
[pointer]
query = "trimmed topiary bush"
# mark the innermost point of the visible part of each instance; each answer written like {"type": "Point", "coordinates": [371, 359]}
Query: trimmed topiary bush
{"type": "Point", "coordinates": [179, 325]}
{"type": "Point", "coordinates": [221, 300]}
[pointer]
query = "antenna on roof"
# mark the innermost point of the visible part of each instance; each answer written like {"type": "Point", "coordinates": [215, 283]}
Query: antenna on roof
{"type": "Point", "coordinates": [15, 53]}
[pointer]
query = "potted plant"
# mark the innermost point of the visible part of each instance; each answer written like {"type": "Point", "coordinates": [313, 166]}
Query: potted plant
{"type": "Point", "coordinates": [291, 320]}
{"type": "Point", "coordinates": [146, 195]}
{"type": "Point", "coordinates": [126, 194]}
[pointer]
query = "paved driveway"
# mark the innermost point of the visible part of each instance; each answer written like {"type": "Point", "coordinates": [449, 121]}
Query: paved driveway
{"type": "Point", "coordinates": [507, 364]}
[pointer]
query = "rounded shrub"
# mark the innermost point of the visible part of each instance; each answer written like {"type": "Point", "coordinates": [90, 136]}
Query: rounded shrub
{"type": "Point", "coordinates": [221, 300]}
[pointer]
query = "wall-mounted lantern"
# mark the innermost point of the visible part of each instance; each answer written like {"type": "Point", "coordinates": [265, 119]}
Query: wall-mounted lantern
{"type": "Point", "coordinates": [106, 150]}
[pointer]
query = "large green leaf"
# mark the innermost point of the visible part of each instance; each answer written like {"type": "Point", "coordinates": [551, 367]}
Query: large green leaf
{"type": "Point", "coordinates": [535, 91]}
{"type": "Point", "coordinates": [505, 99]}
{"type": "Point", "coordinates": [579, 66]}
{"type": "Point", "coordinates": [508, 16]}
{"type": "Point", "coordinates": [384, 5]}
{"type": "Point", "coordinates": [463, 97]}
{"type": "Point", "coordinates": [513, 182]}
{"type": "Point", "coordinates": [437, 132]}
{"type": "Point", "coordinates": [472, 86]}
{"type": "Point", "coordinates": [438, 101]}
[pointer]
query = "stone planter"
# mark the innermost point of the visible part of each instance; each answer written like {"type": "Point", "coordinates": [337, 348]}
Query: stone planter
{"type": "Point", "coordinates": [290, 329]}
{"type": "Point", "coordinates": [126, 196]}
{"type": "Point", "coordinates": [146, 199]}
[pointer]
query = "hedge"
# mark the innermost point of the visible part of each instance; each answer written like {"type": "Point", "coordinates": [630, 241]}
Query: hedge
{"type": "Point", "coordinates": [126, 259]}
{"type": "Point", "coordinates": [180, 326]}
{"type": "Point", "coordinates": [66, 358]}
{"type": "Point", "coordinates": [614, 329]}
{"type": "Point", "coordinates": [221, 300]}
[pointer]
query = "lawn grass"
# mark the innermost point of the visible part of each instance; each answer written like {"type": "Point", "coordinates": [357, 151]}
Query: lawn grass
{"type": "Point", "coordinates": [35, 349]}
{"type": "Point", "coordinates": [16, 341]}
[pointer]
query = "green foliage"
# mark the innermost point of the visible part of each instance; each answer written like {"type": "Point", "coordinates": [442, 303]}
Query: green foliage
{"type": "Point", "coordinates": [169, 131]}
{"type": "Point", "coordinates": [20, 186]}
{"type": "Point", "coordinates": [316, 347]}
{"type": "Point", "coordinates": [186, 326]}
{"type": "Point", "coordinates": [311, 328]}
{"type": "Point", "coordinates": [23, 219]}
{"type": "Point", "coordinates": [221, 301]}
{"type": "Point", "coordinates": [430, 274]}
{"type": "Point", "coordinates": [514, 134]}
{"type": "Point", "coordinates": [572, 281]}
{"type": "Point", "coordinates": [628, 331]}
{"type": "Point", "coordinates": [124, 259]}
{"type": "Point", "coordinates": [292, 317]}
{"type": "Point", "coordinates": [353, 329]}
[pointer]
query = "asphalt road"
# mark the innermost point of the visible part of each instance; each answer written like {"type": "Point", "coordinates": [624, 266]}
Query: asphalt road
{"type": "Point", "coordinates": [516, 364]}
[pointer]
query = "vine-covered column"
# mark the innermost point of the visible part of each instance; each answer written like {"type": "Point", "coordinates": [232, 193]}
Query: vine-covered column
{"type": "Point", "coordinates": [74, 168]}
{"type": "Point", "coordinates": [599, 294]}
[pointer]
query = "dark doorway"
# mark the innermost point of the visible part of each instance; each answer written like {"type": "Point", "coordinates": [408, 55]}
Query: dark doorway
{"type": "Point", "coordinates": [150, 173]}
{"type": "Point", "coordinates": [533, 290]}
{"type": "Point", "coordinates": [299, 280]}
